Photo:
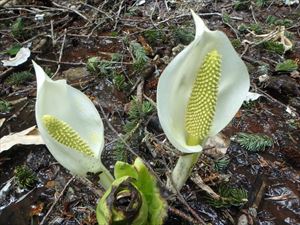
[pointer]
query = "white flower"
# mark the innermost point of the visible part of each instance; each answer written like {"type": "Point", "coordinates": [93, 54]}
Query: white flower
{"type": "Point", "coordinates": [70, 126]}
{"type": "Point", "coordinates": [177, 81]}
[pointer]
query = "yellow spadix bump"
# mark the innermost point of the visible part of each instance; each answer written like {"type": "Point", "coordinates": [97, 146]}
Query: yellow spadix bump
{"type": "Point", "coordinates": [66, 135]}
{"type": "Point", "coordinates": [202, 102]}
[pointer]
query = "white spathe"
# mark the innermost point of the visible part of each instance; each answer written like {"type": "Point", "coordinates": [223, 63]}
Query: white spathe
{"type": "Point", "coordinates": [68, 104]}
{"type": "Point", "coordinates": [176, 82]}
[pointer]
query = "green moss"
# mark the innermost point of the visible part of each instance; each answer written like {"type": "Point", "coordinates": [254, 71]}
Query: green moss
{"type": "Point", "coordinates": [19, 78]}
{"type": "Point", "coordinates": [236, 43]}
{"type": "Point", "coordinates": [183, 35]}
{"type": "Point", "coordinates": [154, 36]}
{"type": "Point", "coordinates": [273, 46]}
{"type": "Point", "coordinates": [25, 177]}
{"type": "Point", "coordinates": [17, 29]}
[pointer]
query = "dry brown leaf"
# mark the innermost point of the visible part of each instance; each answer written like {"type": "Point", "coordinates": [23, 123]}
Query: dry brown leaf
{"type": "Point", "coordinates": [2, 120]}
{"type": "Point", "coordinates": [29, 136]}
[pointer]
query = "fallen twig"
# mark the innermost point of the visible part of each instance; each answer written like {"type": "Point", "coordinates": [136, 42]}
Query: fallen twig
{"type": "Point", "coordinates": [183, 215]}
{"type": "Point", "coordinates": [61, 53]}
{"type": "Point", "coordinates": [56, 200]}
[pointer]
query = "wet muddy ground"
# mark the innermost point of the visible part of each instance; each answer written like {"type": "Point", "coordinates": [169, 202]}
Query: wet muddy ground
{"type": "Point", "coordinates": [74, 31]}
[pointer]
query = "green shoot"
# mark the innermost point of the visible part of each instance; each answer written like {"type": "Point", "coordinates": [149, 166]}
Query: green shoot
{"type": "Point", "coordinates": [286, 66]}
{"type": "Point", "coordinates": [254, 142]}
{"type": "Point", "coordinates": [139, 55]}
{"type": "Point", "coordinates": [25, 177]}
{"type": "Point", "coordinates": [4, 106]}
{"type": "Point", "coordinates": [19, 78]}
{"type": "Point", "coordinates": [229, 197]}
{"type": "Point", "coordinates": [17, 29]}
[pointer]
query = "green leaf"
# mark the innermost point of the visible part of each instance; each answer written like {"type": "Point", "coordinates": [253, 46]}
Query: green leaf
{"type": "Point", "coordinates": [133, 198]}
{"type": "Point", "coordinates": [286, 66]}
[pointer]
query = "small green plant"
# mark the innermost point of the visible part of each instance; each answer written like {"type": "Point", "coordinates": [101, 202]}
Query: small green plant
{"type": "Point", "coordinates": [222, 163]}
{"type": "Point", "coordinates": [17, 29]}
{"type": "Point", "coordinates": [273, 46]}
{"type": "Point", "coordinates": [254, 142]}
{"type": "Point", "coordinates": [226, 18]}
{"type": "Point", "coordinates": [229, 197]}
{"type": "Point", "coordinates": [25, 177]}
{"type": "Point", "coordinates": [236, 43]}
{"type": "Point", "coordinates": [4, 106]}
{"type": "Point", "coordinates": [101, 67]}
{"type": "Point", "coordinates": [139, 55]}
{"type": "Point", "coordinates": [288, 65]}
{"type": "Point", "coordinates": [183, 35]}
{"type": "Point", "coordinates": [19, 78]}
{"type": "Point", "coordinates": [137, 112]}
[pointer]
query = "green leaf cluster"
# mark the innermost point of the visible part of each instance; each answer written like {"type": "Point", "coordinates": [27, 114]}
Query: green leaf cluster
{"type": "Point", "coordinates": [138, 111]}
{"type": "Point", "coordinates": [133, 198]}
{"type": "Point", "coordinates": [254, 142]}
{"type": "Point", "coordinates": [288, 65]}
{"type": "Point", "coordinates": [229, 197]}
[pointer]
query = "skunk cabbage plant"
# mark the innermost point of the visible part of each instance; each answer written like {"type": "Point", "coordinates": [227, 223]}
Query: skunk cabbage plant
{"type": "Point", "coordinates": [199, 93]}
{"type": "Point", "coordinates": [133, 198]}
{"type": "Point", "coordinates": [70, 126]}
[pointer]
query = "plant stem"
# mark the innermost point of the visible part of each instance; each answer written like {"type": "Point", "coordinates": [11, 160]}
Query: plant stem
{"type": "Point", "coordinates": [106, 179]}
{"type": "Point", "coordinates": [182, 171]}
